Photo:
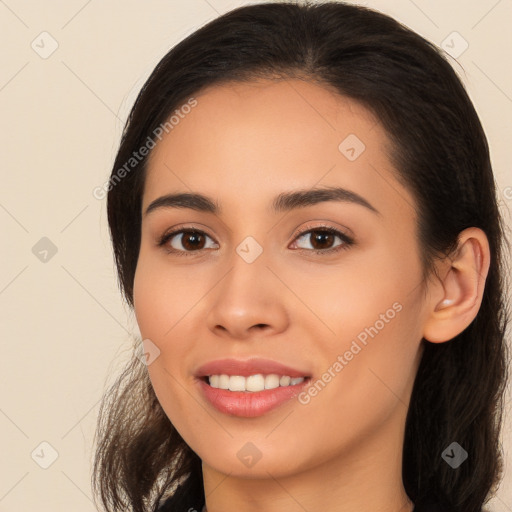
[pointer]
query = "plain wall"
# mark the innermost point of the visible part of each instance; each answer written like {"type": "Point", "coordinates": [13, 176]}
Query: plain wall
{"type": "Point", "coordinates": [64, 329]}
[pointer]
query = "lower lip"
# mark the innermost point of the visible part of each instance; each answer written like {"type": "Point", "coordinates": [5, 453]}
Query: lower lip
{"type": "Point", "coordinates": [248, 404]}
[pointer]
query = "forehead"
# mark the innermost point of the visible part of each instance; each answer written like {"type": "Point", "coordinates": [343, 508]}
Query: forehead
{"type": "Point", "coordinates": [276, 115]}
{"type": "Point", "coordinates": [267, 136]}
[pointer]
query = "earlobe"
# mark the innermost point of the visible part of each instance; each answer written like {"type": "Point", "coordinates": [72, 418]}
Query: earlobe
{"type": "Point", "coordinates": [457, 296]}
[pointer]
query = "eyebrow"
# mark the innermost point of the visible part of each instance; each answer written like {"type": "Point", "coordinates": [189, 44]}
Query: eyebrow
{"type": "Point", "coordinates": [283, 202]}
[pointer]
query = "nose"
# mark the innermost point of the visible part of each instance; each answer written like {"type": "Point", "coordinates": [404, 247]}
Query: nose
{"type": "Point", "coordinates": [248, 302]}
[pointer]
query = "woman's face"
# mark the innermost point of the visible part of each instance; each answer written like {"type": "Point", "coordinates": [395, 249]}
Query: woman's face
{"type": "Point", "coordinates": [263, 279]}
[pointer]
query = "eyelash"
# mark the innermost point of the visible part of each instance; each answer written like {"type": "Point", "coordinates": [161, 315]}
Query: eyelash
{"type": "Point", "coordinates": [347, 241]}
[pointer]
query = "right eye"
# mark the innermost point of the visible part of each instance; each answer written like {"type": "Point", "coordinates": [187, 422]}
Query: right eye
{"type": "Point", "coordinates": [188, 240]}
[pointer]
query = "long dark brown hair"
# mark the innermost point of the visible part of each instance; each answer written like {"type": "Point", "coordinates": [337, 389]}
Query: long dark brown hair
{"type": "Point", "coordinates": [441, 155]}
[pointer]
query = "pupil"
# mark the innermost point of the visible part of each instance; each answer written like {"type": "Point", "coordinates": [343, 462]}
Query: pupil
{"type": "Point", "coordinates": [322, 236]}
{"type": "Point", "coordinates": [195, 237]}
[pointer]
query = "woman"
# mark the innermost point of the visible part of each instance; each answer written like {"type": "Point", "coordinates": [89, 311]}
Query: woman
{"type": "Point", "coordinates": [304, 218]}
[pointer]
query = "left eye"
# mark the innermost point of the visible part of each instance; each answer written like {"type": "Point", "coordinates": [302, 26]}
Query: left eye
{"type": "Point", "coordinates": [321, 240]}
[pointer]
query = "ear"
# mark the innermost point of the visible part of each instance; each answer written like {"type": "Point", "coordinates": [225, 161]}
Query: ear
{"type": "Point", "coordinates": [455, 300]}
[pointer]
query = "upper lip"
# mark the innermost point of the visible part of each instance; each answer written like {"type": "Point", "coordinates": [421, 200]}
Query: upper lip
{"type": "Point", "coordinates": [248, 367]}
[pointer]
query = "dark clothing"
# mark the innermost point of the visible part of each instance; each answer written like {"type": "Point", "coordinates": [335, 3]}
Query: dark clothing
{"type": "Point", "coordinates": [430, 506]}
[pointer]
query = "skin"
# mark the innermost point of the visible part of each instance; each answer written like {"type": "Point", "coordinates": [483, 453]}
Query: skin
{"type": "Point", "coordinates": [242, 145]}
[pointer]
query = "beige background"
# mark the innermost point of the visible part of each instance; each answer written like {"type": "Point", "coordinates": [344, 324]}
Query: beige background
{"type": "Point", "coordinates": [64, 329]}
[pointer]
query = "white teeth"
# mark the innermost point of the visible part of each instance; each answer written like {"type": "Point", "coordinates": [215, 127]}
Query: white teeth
{"type": "Point", "coordinates": [252, 383]}
{"type": "Point", "coordinates": [255, 383]}
{"type": "Point", "coordinates": [284, 380]}
{"type": "Point", "coordinates": [272, 381]}
{"type": "Point", "coordinates": [224, 381]}
{"type": "Point", "coordinates": [236, 383]}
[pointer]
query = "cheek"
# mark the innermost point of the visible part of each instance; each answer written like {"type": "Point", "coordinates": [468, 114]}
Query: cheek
{"type": "Point", "coordinates": [365, 290]}
{"type": "Point", "coordinates": [160, 314]}
{"type": "Point", "coordinates": [374, 313]}
{"type": "Point", "coordinates": [147, 299]}
{"type": "Point", "coordinates": [163, 295]}
{"type": "Point", "coordinates": [164, 301]}
{"type": "Point", "coordinates": [362, 385]}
